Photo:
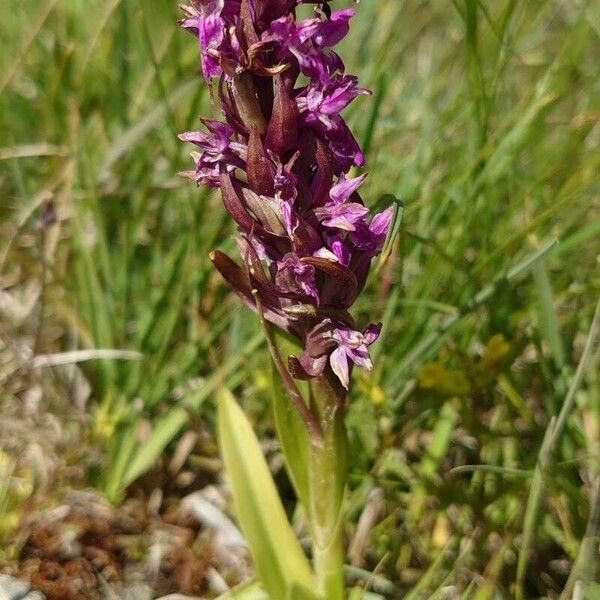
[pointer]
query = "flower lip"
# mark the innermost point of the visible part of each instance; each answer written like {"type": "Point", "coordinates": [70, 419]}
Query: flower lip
{"type": "Point", "coordinates": [344, 346]}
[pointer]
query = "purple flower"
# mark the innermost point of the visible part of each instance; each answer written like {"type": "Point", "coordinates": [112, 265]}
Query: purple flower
{"type": "Point", "coordinates": [352, 347]}
{"type": "Point", "coordinates": [334, 29]}
{"type": "Point", "coordinates": [342, 216]}
{"type": "Point", "coordinates": [329, 100]}
{"type": "Point", "coordinates": [335, 250]}
{"type": "Point", "coordinates": [281, 160]}
{"type": "Point", "coordinates": [342, 344]}
{"type": "Point", "coordinates": [297, 277]}
{"type": "Point", "coordinates": [320, 107]}
{"type": "Point", "coordinates": [345, 187]}
{"type": "Point", "coordinates": [310, 41]}
{"type": "Point", "coordinates": [204, 19]}
{"type": "Point", "coordinates": [218, 152]}
{"type": "Point", "coordinates": [338, 213]}
{"type": "Point", "coordinates": [289, 217]}
{"type": "Point", "coordinates": [337, 244]}
{"type": "Point", "coordinates": [285, 181]}
{"type": "Point", "coordinates": [370, 237]}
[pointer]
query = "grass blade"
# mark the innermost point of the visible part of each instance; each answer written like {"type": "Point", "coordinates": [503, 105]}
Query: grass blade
{"type": "Point", "coordinates": [552, 437]}
{"type": "Point", "coordinates": [548, 321]}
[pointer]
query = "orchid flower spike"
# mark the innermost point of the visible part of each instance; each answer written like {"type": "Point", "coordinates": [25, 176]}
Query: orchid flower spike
{"type": "Point", "coordinates": [281, 158]}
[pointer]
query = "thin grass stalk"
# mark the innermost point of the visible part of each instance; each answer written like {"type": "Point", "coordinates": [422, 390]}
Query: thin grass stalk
{"type": "Point", "coordinates": [553, 435]}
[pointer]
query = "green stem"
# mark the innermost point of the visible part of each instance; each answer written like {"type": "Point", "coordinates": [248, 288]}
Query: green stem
{"type": "Point", "coordinates": [327, 483]}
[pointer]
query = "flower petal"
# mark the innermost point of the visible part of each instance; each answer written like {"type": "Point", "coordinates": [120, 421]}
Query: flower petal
{"type": "Point", "coordinates": [345, 187]}
{"type": "Point", "coordinates": [339, 365]}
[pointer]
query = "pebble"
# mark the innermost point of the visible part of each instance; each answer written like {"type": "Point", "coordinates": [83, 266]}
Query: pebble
{"type": "Point", "coordinates": [14, 589]}
{"type": "Point", "coordinates": [137, 591]}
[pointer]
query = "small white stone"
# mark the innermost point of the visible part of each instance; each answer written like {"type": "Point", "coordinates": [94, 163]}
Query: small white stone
{"type": "Point", "coordinates": [14, 589]}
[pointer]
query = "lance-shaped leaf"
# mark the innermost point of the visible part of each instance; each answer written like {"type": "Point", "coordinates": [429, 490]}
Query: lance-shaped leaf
{"type": "Point", "coordinates": [278, 557]}
{"type": "Point", "coordinates": [253, 591]}
{"type": "Point", "coordinates": [246, 591]}
{"type": "Point", "coordinates": [299, 592]}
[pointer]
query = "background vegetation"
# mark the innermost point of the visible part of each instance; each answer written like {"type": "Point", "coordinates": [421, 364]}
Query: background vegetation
{"type": "Point", "coordinates": [484, 122]}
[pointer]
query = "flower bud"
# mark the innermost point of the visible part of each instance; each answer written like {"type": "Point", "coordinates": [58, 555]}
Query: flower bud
{"type": "Point", "coordinates": [246, 102]}
{"type": "Point", "coordinates": [260, 170]}
{"type": "Point", "coordinates": [282, 132]}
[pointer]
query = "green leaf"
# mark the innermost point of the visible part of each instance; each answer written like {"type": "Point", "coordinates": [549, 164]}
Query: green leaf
{"type": "Point", "coordinates": [291, 430]}
{"type": "Point", "coordinates": [277, 555]}
{"type": "Point", "coordinates": [120, 452]}
{"type": "Point", "coordinates": [548, 321]}
{"type": "Point", "coordinates": [165, 428]}
{"type": "Point", "coordinates": [293, 438]}
{"type": "Point", "coordinates": [394, 228]}
{"type": "Point", "coordinates": [592, 592]}
{"type": "Point", "coordinates": [246, 591]}
{"type": "Point", "coordinates": [299, 592]}
{"type": "Point", "coordinates": [441, 437]}
{"type": "Point", "coordinates": [253, 591]}
{"type": "Point", "coordinates": [360, 594]}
